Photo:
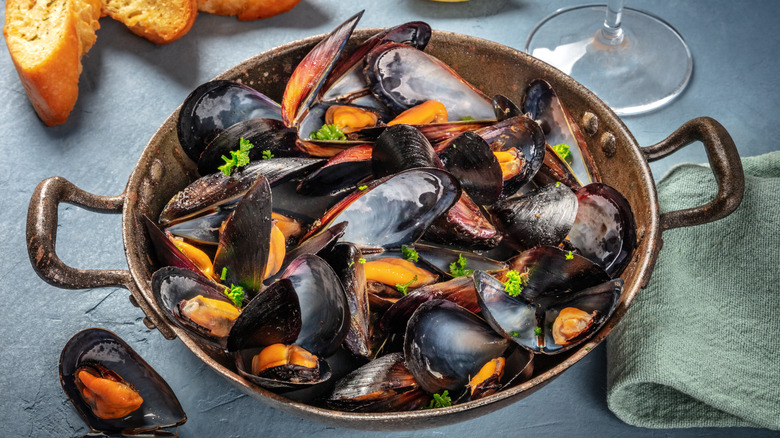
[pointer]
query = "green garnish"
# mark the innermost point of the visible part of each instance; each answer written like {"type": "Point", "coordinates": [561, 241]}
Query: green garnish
{"type": "Point", "coordinates": [514, 334]}
{"type": "Point", "coordinates": [328, 132]}
{"type": "Point", "coordinates": [361, 188]}
{"type": "Point", "coordinates": [562, 150]}
{"type": "Point", "coordinates": [467, 119]}
{"type": "Point", "coordinates": [514, 283]}
{"type": "Point", "coordinates": [410, 254]}
{"type": "Point", "coordinates": [403, 287]}
{"type": "Point", "coordinates": [224, 274]}
{"type": "Point", "coordinates": [569, 256]}
{"type": "Point", "coordinates": [236, 294]}
{"type": "Point", "coordinates": [557, 184]}
{"type": "Point", "coordinates": [267, 155]}
{"type": "Point", "coordinates": [237, 158]}
{"type": "Point", "coordinates": [538, 331]}
{"type": "Point", "coordinates": [440, 401]}
{"type": "Point", "coordinates": [351, 262]}
{"type": "Point", "coordinates": [588, 348]}
{"type": "Point", "coordinates": [361, 260]}
{"type": "Point", "coordinates": [458, 268]}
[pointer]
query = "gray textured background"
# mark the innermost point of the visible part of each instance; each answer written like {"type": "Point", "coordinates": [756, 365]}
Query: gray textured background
{"type": "Point", "coordinates": [129, 86]}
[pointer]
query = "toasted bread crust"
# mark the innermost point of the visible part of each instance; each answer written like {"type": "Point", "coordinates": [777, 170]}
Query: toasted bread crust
{"type": "Point", "coordinates": [46, 40]}
{"type": "Point", "coordinates": [158, 21]}
{"type": "Point", "coordinates": [247, 10]}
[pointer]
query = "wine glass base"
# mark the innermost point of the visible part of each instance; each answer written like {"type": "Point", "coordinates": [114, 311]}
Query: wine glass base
{"type": "Point", "coordinates": [647, 70]}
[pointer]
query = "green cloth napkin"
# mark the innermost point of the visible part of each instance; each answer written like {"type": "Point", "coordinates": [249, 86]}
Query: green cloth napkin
{"type": "Point", "coordinates": [700, 346]}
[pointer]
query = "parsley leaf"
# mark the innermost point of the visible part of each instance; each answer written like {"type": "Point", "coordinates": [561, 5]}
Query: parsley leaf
{"type": "Point", "coordinates": [514, 334]}
{"type": "Point", "coordinates": [562, 150]}
{"type": "Point", "coordinates": [440, 401]}
{"type": "Point", "coordinates": [237, 158]}
{"type": "Point", "coordinates": [328, 132]}
{"type": "Point", "coordinates": [361, 260]}
{"type": "Point", "coordinates": [514, 283]}
{"type": "Point", "coordinates": [267, 155]}
{"type": "Point", "coordinates": [467, 119]}
{"type": "Point", "coordinates": [361, 188]}
{"type": "Point", "coordinates": [403, 287]}
{"type": "Point", "coordinates": [410, 254]}
{"type": "Point", "coordinates": [458, 268]}
{"type": "Point", "coordinates": [538, 331]}
{"type": "Point", "coordinates": [569, 256]}
{"type": "Point", "coordinates": [224, 274]}
{"type": "Point", "coordinates": [236, 294]}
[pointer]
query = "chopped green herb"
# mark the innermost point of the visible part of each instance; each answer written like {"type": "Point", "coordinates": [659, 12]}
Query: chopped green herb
{"type": "Point", "coordinates": [361, 188]}
{"type": "Point", "coordinates": [538, 331]}
{"type": "Point", "coordinates": [267, 155]}
{"type": "Point", "coordinates": [440, 401]}
{"type": "Point", "coordinates": [514, 283]}
{"type": "Point", "coordinates": [458, 268]}
{"type": "Point", "coordinates": [404, 287]}
{"type": "Point", "coordinates": [361, 260]}
{"type": "Point", "coordinates": [467, 119]}
{"type": "Point", "coordinates": [514, 334]}
{"type": "Point", "coordinates": [328, 132]}
{"type": "Point", "coordinates": [224, 274]}
{"type": "Point", "coordinates": [557, 184]}
{"type": "Point", "coordinates": [562, 150]}
{"type": "Point", "coordinates": [237, 158]}
{"type": "Point", "coordinates": [588, 348]}
{"type": "Point", "coordinates": [410, 254]}
{"type": "Point", "coordinates": [351, 262]}
{"type": "Point", "coordinates": [569, 256]}
{"type": "Point", "coordinates": [236, 294]}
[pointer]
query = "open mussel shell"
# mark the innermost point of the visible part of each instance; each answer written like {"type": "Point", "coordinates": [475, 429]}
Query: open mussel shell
{"type": "Point", "coordinates": [554, 169]}
{"type": "Point", "coordinates": [271, 317]}
{"type": "Point", "coordinates": [215, 106]}
{"type": "Point", "coordinates": [324, 307]}
{"type": "Point", "coordinates": [442, 258]}
{"type": "Point", "coordinates": [216, 192]}
{"type": "Point", "coordinates": [445, 345]}
{"type": "Point", "coordinates": [513, 317]}
{"type": "Point", "coordinates": [599, 300]}
{"type": "Point", "coordinates": [267, 136]}
{"type": "Point", "coordinates": [402, 77]}
{"type": "Point", "coordinates": [344, 258]}
{"type": "Point", "coordinates": [166, 252]}
{"type": "Point", "coordinates": [245, 241]}
{"type": "Point", "coordinates": [543, 105]}
{"type": "Point", "coordinates": [172, 285]}
{"type": "Point", "coordinates": [160, 408]}
{"type": "Point", "coordinates": [504, 108]}
{"type": "Point", "coordinates": [541, 217]}
{"type": "Point", "coordinates": [310, 74]}
{"type": "Point", "coordinates": [396, 210]}
{"type": "Point", "coordinates": [342, 172]}
{"type": "Point", "coordinates": [550, 271]}
{"type": "Point", "coordinates": [604, 230]}
{"type": "Point", "coordinates": [384, 384]}
{"type": "Point", "coordinates": [470, 159]}
{"type": "Point", "coordinates": [401, 147]}
{"type": "Point", "coordinates": [202, 230]}
{"type": "Point", "coordinates": [464, 225]}
{"type": "Point", "coordinates": [284, 377]}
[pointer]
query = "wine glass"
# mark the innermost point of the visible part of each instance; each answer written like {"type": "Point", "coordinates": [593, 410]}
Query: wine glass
{"type": "Point", "coordinates": [635, 62]}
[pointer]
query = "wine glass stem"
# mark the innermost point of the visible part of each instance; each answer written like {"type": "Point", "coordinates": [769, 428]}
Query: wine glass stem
{"type": "Point", "coordinates": [611, 33]}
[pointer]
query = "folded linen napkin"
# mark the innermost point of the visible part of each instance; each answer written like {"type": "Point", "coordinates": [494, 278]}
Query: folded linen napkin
{"type": "Point", "coordinates": [700, 346]}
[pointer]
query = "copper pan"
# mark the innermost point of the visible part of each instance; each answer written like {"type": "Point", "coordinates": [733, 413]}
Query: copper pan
{"type": "Point", "coordinates": [163, 169]}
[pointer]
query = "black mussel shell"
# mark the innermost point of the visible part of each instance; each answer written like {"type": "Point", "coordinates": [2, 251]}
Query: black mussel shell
{"type": "Point", "coordinates": [604, 231]}
{"type": "Point", "coordinates": [284, 377]}
{"type": "Point", "coordinates": [505, 108]}
{"type": "Point", "coordinates": [171, 285]}
{"type": "Point", "coordinates": [442, 258]}
{"type": "Point", "coordinates": [217, 191]}
{"type": "Point", "coordinates": [245, 240]}
{"type": "Point", "coordinates": [541, 217]}
{"type": "Point", "coordinates": [344, 258]}
{"type": "Point", "coordinates": [511, 316]}
{"type": "Point", "coordinates": [402, 77]}
{"type": "Point", "coordinates": [543, 105]}
{"type": "Point", "coordinates": [324, 307]}
{"type": "Point", "coordinates": [554, 169]}
{"type": "Point", "coordinates": [465, 225]}
{"type": "Point", "coordinates": [394, 211]}
{"type": "Point", "coordinates": [160, 408]}
{"type": "Point", "coordinates": [342, 172]}
{"type": "Point", "coordinates": [383, 384]}
{"type": "Point", "coordinates": [401, 147]}
{"type": "Point", "coordinates": [470, 159]}
{"type": "Point", "coordinates": [553, 271]}
{"type": "Point", "coordinates": [166, 252]}
{"type": "Point", "coordinates": [321, 243]}
{"type": "Point", "coordinates": [216, 105]}
{"type": "Point", "coordinates": [310, 74]}
{"type": "Point", "coordinates": [268, 136]}
{"type": "Point", "coordinates": [203, 230]}
{"type": "Point", "coordinates": [445, 345]}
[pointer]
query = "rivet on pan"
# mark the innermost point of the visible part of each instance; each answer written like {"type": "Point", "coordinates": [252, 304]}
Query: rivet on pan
{"type": "Point", "coordinates": [133, 301]}
{"type": "Point", "coordinates": [149, 324]}
{"type": "Point", "coordinates": [590, 123]}
{"type": "Point", "coordinates": [156, 170]}
{"type": "Point", "coordinates": [608, 144]}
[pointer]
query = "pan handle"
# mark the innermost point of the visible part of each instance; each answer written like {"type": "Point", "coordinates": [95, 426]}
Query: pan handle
{"type": "Point", "coordinates": [42, 237]}
{"type": "Point", "coordinates": [724, 161]}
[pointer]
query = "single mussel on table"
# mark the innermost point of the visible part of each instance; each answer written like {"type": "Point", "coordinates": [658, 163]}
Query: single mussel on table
{"type": "Point", "coordinates": [387, 237]}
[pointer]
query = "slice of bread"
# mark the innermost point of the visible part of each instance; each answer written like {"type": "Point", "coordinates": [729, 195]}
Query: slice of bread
{"type": "Point", "coordinates": [46, 39]}
{"type": "Point", "coordinates": [247, 9]}
{"type": "Point", "coordinates": [159, 21]}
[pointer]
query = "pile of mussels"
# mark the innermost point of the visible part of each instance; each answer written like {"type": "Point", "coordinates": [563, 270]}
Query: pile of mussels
{"type": "Point", "coordinates": [442, 242]}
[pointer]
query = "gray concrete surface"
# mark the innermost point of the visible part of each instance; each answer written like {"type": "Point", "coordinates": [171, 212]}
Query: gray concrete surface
{"type": "Point", "coordinates": [129, 86]}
